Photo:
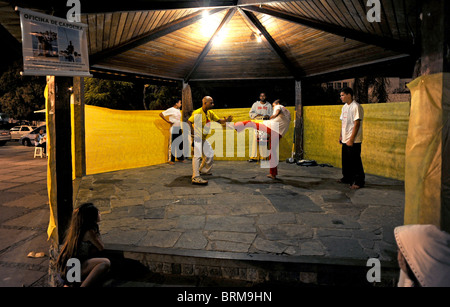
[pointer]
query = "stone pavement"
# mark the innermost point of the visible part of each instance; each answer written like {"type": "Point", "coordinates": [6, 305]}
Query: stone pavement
{"type": "Point", "coordinates": [23, 217]}
{"type": "Point", "coordinates": [305, 216]}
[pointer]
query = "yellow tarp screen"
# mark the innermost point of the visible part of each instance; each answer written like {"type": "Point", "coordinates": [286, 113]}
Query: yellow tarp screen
{"type": "Point", "coordinates": [385, 130]}
{"type": "Point", "coordinates": [427, 184]}
{"type": "Point", "coordinates": [128, 139]}
{"type": "Point", "coordinates": [118, 140]}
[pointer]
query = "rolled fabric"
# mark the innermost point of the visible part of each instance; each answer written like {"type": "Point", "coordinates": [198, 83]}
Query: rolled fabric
{"type": "Point", "coordinates": [427, 252]}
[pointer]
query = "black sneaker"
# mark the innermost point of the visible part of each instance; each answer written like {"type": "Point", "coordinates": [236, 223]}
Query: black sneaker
{"type": "Point", "coordinates": [252, 160]}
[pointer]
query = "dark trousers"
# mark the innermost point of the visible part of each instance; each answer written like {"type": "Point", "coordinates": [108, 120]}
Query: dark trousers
{"type": "Point", "coordinates": [352, 167]}
{"type": "Point", "coordinates": [44, 147]}
{"type": "Point", "coordinates": [178, 151]}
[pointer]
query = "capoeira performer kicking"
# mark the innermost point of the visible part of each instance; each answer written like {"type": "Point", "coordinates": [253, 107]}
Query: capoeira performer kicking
{"type": "Point", "coordinates": [276, 127]}
{"type": "Point", "coordinates": [202, 161]}
{"type": "Point", "coordinates": [260, 110]}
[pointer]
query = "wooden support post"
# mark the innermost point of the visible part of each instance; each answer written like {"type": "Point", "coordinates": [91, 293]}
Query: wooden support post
{"type": "Point", "coordinates": [60, 153]}
{"type": "Point", "coordinates": [427, 199]}
{"type": "Point", "coordinates": [436, 60]}
{"type": "Point", "coordinates": [298, 121]}
{"type": "Point", "coordinates": [79, 150]}
{"type": "Point", "coordinates": [187, 105]}
{"type": "Point", "coordinates": [435, 37]}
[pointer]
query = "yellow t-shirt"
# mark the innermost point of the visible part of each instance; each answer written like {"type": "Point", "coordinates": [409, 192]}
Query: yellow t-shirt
{"type": "Point", "coordinates": [206, 118]}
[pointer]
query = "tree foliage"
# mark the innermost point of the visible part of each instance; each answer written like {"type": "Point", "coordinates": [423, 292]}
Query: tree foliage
{"type": "Point", "coordinates": [112, 94]}
{"type": "Point", "coordinates": [128, 95]}
{"type": "Point", "coordinates": [20, 95]}
{"type": "Point", "coordinates": [371, 89]}
{"type": "Point", "coordinates": [161, 97]}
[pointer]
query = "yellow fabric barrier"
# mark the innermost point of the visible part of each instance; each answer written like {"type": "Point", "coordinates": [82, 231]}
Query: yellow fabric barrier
{"type": "Point", "coordinates": [385, 130]}
{"type": "Point", "coordinates": [51, 165]}
{"type": "Point", "coordinates": [426, 179]}
{"type": "Point", "coordinates": [73, 118]}
{"type": "Point", "coordinates": [117, 140]}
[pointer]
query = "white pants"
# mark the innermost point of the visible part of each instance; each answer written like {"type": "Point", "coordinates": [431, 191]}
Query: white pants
{"type": "Point", "coordinates": [203, 158]}
{"type": "Point", "coordinates": [259, 149]}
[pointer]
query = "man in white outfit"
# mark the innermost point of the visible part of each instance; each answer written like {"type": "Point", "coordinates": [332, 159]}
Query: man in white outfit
{"type": "Point", "coordinates": [260, 110]}
{"type": "Point", "coordinates": [351, 138]}
{"type": "Point", "coordinates": [199, 122]}
{"type": "Point", "coordinates": [173, 117]}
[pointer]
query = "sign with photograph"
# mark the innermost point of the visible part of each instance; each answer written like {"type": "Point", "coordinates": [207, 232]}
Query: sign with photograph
{"type": "Point", "coordinates": [53, 46]}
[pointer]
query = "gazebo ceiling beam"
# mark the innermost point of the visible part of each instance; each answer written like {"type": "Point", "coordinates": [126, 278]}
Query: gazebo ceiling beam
{"type": "Point", "coordinates": [208, 46]}
{"type": "Point", "coordinates": [258, 2]}
{"type": "Point", "coordinates": [251, 18]}
{"type": "Point", "coordinates": [150, 36]}
{"type": "Point", "coordinates": [131, 76]}
{"type": "Point", "coordinates": [106, 6]}
{"type": "Point", "coordinates": [153, 5]}
{"type": "Point", "coordinates": [370, 39]}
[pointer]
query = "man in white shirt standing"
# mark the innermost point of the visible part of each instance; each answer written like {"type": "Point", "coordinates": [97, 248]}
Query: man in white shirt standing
{"type": "Point", "coordinates": [260, 110]}
{"type": "Point", "coordinates": [351, 138]}
{"type": "Point", "coordinates": [173, 116]}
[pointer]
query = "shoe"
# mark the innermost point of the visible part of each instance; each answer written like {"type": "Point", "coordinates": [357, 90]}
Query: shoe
{"type": "Point", "coordinates": [199, 181]}
{"type": "Point", "coordinates": [252, 160]}
{"type": "Point", "coordinates": [171, 163]}
{"type": "Point", "coordinates": [271, 177]}
{"type": "Point", "coordinates": [206, 174]}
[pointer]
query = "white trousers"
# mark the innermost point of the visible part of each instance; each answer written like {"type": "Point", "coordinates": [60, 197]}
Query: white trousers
{"type": "Point", "coordinates": [203, 158]}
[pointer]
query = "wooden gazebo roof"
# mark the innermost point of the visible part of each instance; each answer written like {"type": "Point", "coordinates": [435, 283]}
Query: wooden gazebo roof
{"type": "Point", "coordinates": [236, 39]}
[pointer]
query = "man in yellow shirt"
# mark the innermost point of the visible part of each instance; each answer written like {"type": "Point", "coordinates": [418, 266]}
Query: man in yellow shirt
{"type": "Point", "coordinates": [203, 152]}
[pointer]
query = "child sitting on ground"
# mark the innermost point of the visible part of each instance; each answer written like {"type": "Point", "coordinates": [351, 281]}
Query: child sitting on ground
{"type": "Point", "coordinates": [82, 242]}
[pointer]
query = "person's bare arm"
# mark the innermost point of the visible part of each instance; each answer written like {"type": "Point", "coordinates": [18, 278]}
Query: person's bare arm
{"type": "Point", "coordinates": [276, 114]}
{"type": "Point", "coordinates": [354, 133]}
{"type": "Point", "coordinates": [162, 116]}
{"type": "Point", "coordinates": [224, 120]}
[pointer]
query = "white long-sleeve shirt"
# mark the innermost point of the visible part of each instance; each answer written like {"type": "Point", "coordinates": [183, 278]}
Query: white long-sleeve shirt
{"type": "Point", "coordinates": [260, 109]}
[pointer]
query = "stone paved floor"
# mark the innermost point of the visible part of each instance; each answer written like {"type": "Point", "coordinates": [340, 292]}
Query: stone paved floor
{"type": "Point", "coordinates": [305, 213]}
{"type": "Point", "coordinates": [24, 216]}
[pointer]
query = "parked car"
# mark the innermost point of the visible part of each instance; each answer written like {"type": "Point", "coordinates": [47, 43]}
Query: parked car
{"type": "Point", "coordinates": [28, 139]}
{"type": "Point", "coordinates": [18, 131]}
{"type": "Point", "coordinates": [5, 135]}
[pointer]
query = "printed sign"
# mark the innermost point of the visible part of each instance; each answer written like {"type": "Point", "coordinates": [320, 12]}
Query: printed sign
{"type": "Point", "coordinates": [53, 46]}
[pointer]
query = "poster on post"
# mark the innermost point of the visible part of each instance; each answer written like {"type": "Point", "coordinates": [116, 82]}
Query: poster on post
{"type": "Point", "coordinates": [53, 46]}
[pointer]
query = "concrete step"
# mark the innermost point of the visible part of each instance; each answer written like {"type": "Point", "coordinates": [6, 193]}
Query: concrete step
{"type": "Point", "coordinates": [152, 267]}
